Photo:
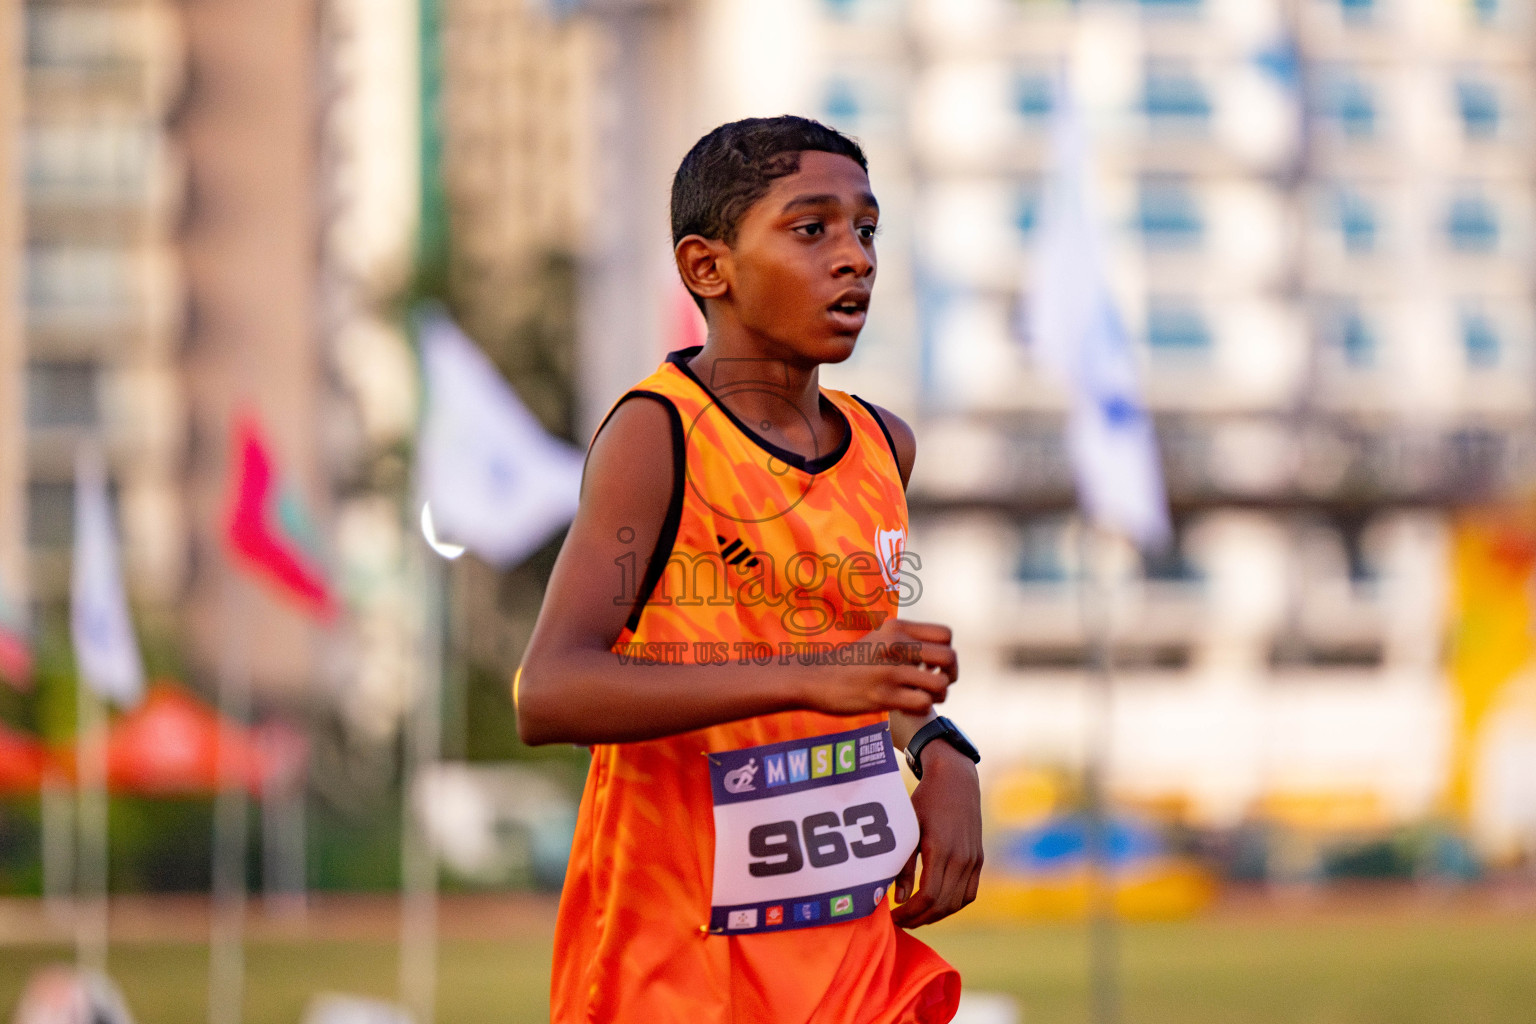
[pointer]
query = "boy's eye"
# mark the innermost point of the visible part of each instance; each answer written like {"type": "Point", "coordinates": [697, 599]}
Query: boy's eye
{"type": "Point", "coordinates": [813, 228]}
{"type": "Point", "coordinates": [868, 231]}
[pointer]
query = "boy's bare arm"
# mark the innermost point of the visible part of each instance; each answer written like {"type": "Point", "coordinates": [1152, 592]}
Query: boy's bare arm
{"type": "Point", "coordinates": [572, 688]}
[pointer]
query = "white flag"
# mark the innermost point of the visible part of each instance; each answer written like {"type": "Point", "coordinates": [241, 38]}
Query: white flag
{"type": "Point", "coordinates": [1078, 334]}
{"type": "Point", "coordinates": [106, 651]}
{"type": "Point", "coordinates": [496, 482]}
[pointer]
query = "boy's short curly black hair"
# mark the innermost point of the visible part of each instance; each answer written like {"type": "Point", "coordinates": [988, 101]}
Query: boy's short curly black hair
{"type": "Point", "coordinates": [733, 166]}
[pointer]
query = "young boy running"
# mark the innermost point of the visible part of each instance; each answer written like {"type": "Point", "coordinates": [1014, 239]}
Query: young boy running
{"type": "Point", "coordinates": [721, 629]}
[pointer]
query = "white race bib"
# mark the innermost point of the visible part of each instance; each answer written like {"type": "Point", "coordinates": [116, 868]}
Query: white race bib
{"type": "Point", "coordinates": [808, 832]}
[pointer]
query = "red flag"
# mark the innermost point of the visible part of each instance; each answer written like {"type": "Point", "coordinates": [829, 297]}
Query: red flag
{"type": "Point", "coordinates": [23, 761]}
{"type": "Point", "coordinates": [267, 529]}
{"type": "Point", "coordinates": [15, 655]}
{"type": "Point", "coordinates": [15, 659]}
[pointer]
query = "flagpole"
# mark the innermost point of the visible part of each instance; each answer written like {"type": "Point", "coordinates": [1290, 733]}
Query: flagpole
{"type": "Point", "coordinates": [226, 954]}
{"type": "Point", "coordinates": [91, 909]}
{"type": "Point", "coordinates": [284, 885]}
{"type": "Point", "coordinates": [422, 747]}
{"type": "Point", "coordinates": [1103, 940]}
{"type": "Point", "coordinates": [57, 805]}
{"type": "Point", "coordinates": [1078, 335]}
{"type": "Point", "coordinates": [455, 739]}
{"type": "Point", "coordinates": [107, 665]}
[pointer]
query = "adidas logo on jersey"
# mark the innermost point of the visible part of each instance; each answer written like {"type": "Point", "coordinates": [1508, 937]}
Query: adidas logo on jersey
{"type": "Point", "coordinates": [736, 553]}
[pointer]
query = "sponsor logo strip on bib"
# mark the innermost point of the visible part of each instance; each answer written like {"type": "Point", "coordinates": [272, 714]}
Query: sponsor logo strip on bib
{"type": "Point", "coordinates": [808, 832]}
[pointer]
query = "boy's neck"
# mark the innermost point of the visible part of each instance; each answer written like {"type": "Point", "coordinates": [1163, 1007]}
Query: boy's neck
{"type": "Point", "coordinates": [779, 396]}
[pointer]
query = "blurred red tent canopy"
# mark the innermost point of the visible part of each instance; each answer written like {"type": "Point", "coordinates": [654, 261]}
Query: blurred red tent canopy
{"type": "Point", "coordinates": [23, 761]}
{"type": "Point", "coordinates": [169, 746]}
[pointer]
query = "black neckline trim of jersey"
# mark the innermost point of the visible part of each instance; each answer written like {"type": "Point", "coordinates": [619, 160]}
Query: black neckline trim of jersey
{"type": "Point", "coordinates": [889, 440]}
{"type": "Point", "coordinates": [674, 518]}
{"type": "Point", "coordinates": [820, 464]}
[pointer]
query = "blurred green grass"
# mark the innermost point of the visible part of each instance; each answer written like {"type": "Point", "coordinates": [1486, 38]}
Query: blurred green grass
{"type": "Point", "coordinates": [1223, 971]}
{"type": "Point", "coordinates": [481, 981]}
{"type": "Point", "coordinates": [1435, 969]}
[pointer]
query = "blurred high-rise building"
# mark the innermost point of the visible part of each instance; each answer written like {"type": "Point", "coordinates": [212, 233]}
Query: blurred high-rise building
{"type": "Point", "coordinates": [516, 111]}
{"type": "Point", "coordinates": [102, 183]}
{"type": "Point", "coordinates": [518, 104]}
{"type": "Point", "coordinates": [219, 208]}
{"type": "Point", "coordinates": [13, 473]}
{"type": "Point", "coordinates": [250, 241]}
{"type": "Point", "coordinates": [1318, 217]}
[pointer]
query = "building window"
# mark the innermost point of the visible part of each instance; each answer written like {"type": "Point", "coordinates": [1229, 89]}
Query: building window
{"type": "Point", "coordinates": [1172, 564]}
{"type": "Point", "coordinates": [1355, 338]}
{"type": "Point", "coordinates": [1478, 104]}
{"type": "Point", "coordinates": [1175, 98]}
{"type": "Point", "coordinates": [1177, 328]}
{"type": "Point", "coordinates": [1478, 454]}
{"type": "Point", "coordinates": [1352, 105]}
{"type": "Point", "coordinates": [103, 161]}
{"type": "Point", "coordinates": [78, 278]}
{"type": "Point", "coordinates": [1356, 220]}
{"type": "Point", "coordinates": [1479, 340]}
{"type": "Point", "coordinates": [1026, 210]}
{"type": "Point", "coordinates": [1357, 11]}
{"type": "Point", "coordinates": [1042, 551]}
{"type": "Point", "coordinates": [1168, 216]}
{"type": "Point", "coordinates": [1177, 8]}
{"type": "Point", "coordinates": [1032, 96]}
{"type": "Point", "coordinates": [50, 514]}
{"type": "Point", "coordinates": [1282, 62]}
{"type": "Point", "coordinates": [68, 36]}
{"type": "Point", "coordinates": [841, 103]}
{"type": "Point", "coordinates": [1473, 225]}
{"type": "Point", "coordinates": [61, 395]}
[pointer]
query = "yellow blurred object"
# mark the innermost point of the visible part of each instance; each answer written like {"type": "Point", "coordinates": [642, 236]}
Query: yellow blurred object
{"type": "Point", "coordinates": [1160, 806]}
{"type": "Point", "coordinates": [1165, 890]}
{"type": "Point", "coordinates": [1326, 811]}
{"type": "Point", "coordinates": [1022, 797]}
{"type": "Point", "coordinates": [1493, 555]}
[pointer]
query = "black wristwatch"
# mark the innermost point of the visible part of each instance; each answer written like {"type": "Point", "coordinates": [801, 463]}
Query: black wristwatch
{"type": "Point", "coordinates": [940, 728]}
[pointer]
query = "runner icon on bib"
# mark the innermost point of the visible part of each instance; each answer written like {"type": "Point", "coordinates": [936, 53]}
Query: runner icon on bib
{"type": "Point", "coordinates": [809, 832]}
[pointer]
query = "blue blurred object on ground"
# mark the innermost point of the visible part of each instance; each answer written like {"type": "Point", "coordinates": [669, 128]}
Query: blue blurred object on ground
{"type": "Point", "coordinates": [1061, 844]}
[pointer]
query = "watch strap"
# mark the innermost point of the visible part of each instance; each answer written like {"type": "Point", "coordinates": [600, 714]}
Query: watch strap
{"type": "Point", "coordinates": [940, 728]}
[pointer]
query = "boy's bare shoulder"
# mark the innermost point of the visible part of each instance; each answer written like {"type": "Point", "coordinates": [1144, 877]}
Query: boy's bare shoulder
{"type": "Point", "coordinates": [629, 470]}
{"type": "Point", "coordinates": [902, 439]}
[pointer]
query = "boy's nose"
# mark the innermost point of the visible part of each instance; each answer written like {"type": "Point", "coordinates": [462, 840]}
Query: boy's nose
{"type": "Point", "coordinates": [853, 261]}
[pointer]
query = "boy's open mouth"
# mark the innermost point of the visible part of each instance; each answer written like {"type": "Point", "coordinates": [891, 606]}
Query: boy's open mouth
{"type": "Point", "coordinates": [850, 309]}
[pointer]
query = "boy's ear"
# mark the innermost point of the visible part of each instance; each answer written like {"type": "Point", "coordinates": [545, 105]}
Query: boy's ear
{"type": "Point", "coordinates": [703, 264]}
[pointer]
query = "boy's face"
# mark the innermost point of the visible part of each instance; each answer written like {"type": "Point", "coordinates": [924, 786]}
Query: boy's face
{"type": "Point", "coordinates": [800, 270]}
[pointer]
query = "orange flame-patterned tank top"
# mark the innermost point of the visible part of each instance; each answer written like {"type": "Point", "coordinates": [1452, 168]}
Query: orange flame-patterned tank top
{"type": "Point", "coordinates": [763, 555]}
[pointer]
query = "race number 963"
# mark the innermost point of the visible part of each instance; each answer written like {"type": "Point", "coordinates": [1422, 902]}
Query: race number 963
{"type": "Point", "coordinates": [783, 847]}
